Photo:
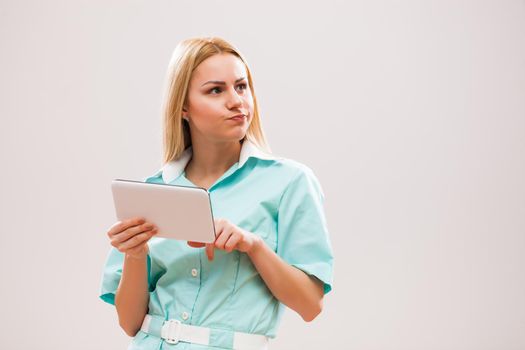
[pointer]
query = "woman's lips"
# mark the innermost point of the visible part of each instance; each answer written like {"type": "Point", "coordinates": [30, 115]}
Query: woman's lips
{"type": "Point", "coordinates": [238, 118]}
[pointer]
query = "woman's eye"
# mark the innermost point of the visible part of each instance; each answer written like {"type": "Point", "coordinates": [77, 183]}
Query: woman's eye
{"type": "Point", "coordinates": [216, 90]}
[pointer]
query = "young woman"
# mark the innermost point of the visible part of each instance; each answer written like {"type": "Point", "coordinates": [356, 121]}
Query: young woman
{"type": "Point", "coordinates": [272, 246]}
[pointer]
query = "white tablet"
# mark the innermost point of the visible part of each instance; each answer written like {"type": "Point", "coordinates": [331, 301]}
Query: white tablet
{"type": "Point", "coordinates": [179, 212]}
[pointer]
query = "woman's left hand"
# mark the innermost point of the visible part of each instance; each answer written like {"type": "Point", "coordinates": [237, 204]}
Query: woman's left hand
{"type": "Point", "coordinates": [229, 237]}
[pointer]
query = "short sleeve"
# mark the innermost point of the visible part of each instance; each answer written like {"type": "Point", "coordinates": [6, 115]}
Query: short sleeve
{"type": "Point", "coordinates": [111, 276]}
{"type": "Point", "coordinates": [302, 234]}
{"type": "Point", "coordinates": [112, 271]}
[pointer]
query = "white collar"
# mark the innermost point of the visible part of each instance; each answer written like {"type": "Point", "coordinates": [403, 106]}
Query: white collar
{"type": "Point", "coordinates": [172, 169]}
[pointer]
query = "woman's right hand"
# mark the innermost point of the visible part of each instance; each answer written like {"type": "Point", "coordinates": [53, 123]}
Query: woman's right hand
{"type": "Point", "coordinates": [131, 236]}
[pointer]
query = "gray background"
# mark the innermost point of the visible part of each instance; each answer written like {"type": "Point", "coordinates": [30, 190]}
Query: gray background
{"type": "Point", "coordinates": [411, 113]}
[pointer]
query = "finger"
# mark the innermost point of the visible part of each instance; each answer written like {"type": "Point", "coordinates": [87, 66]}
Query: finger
{"type": "Point", "coordinates": [196, 244]}
{"type": "Point", "coordinates": [135, 240]}
{"type": "Point", "coordinates": [125, 224]}
{"type": "Point", "coordinates": [210, 251]}
{"type": "Point", "coordinates": [225, 235]}
{"type": "Point", "coordinates": [232, 242]}
{"type": "Point", "coordinates": [219, 226]}
{"type": "Point", "coordinates": [130, 232]}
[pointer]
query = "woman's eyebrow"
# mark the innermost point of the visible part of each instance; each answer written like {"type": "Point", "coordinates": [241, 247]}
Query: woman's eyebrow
{"type": "Point", "coordinates": [221, 82]}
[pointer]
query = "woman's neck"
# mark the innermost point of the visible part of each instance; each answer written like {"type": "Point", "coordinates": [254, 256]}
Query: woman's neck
{"type": "Point", "coordinates": [212, 159]}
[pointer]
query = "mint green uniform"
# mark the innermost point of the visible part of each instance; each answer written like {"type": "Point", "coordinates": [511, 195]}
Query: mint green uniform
{"type": "Point", "coordinates": [278, 199]}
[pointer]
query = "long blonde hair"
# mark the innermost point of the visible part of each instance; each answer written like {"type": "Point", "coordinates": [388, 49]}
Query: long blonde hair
{"type": "Point", "coordinates": [188, 54]}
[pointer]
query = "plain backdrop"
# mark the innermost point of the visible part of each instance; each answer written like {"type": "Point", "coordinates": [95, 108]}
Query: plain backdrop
{"type": "Point", "coordinates": [410, 113]}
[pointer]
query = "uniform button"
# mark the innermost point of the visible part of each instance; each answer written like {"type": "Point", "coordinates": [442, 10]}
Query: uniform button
{"type": "Point", "coordinates": [185, 315]}
{"type": "Point", "coordinates": [194, 272]}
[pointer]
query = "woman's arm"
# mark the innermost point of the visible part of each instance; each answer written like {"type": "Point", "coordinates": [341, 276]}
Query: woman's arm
{"type": "Point", "coordinates": [288, 284]}
{"type": "Point", "coordinates": [132, 297]}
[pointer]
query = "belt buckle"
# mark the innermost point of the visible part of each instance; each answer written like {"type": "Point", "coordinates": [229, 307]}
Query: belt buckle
{"type": "Point", "coordinates": [170, 331]}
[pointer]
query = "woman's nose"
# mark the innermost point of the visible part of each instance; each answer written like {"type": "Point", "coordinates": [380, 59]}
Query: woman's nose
{"type": "Point", "coordinates": [234, 100]}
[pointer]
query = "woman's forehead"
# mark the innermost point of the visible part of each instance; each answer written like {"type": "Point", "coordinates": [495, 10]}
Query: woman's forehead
{"type": "Point", "coordinates": [220, 67]}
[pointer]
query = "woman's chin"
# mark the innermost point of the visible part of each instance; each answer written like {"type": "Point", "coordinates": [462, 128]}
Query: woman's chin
{"type": "Point", "coordinates": [237, 134]}
{"type": "Point", "coordinates": [231, 137]}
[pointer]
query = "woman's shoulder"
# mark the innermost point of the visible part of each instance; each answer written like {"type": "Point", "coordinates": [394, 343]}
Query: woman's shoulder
{"type": "Point", "coordinates": [292, 172]}
{"type": "Point", "coordinates": [298, 179]}
{"type": "Point", "coordinates": [292, 166]}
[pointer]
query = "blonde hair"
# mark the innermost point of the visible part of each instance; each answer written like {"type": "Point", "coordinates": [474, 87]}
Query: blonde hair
{"type": "Point", "coordinates": [188, 54]}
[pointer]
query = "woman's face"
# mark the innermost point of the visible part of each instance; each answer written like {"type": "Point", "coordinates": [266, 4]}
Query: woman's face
{"type": "Point", "coordinates": [217, 92]}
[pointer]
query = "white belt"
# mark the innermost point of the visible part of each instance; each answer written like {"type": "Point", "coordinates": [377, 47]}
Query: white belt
{"type": "Point", "coordinates": [173, 331]}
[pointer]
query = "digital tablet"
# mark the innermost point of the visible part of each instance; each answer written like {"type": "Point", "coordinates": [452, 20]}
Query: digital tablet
{"type": "Point", "coordinates": [179, 212]}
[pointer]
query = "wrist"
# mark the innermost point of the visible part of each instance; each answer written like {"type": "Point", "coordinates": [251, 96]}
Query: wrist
{"type": "Point", "coordinates": [257, 246]}
{"type": "Point", "coordinates": [137, 255]}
